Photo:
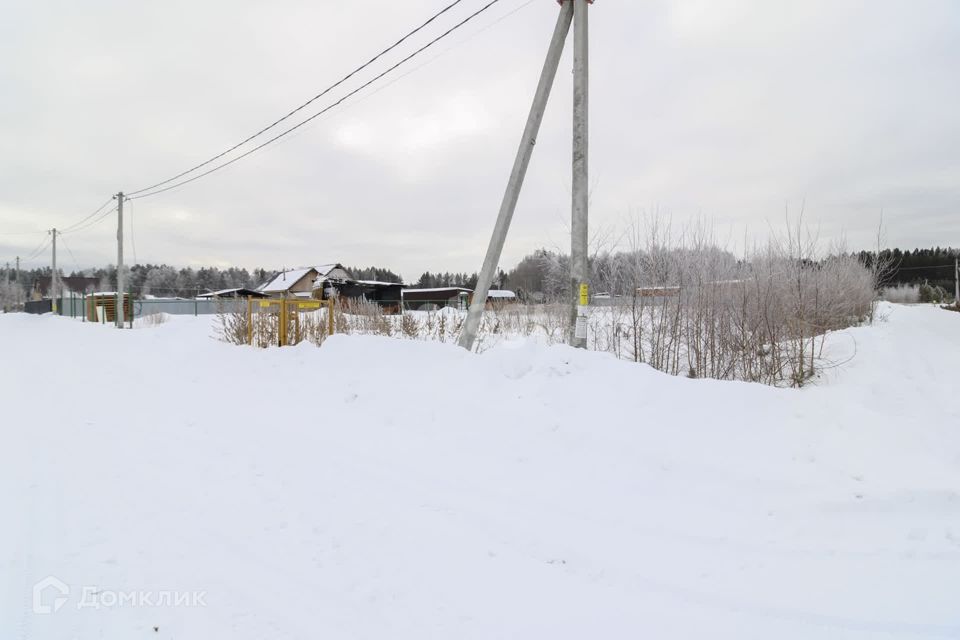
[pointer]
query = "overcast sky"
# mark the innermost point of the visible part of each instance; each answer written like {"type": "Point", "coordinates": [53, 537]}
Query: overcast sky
{"type": "Point", "coordinates": [732, 110]}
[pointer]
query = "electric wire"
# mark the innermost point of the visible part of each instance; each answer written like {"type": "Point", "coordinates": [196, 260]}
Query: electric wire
{"type": "Point", "coordinates": [938, 266]}
{"type": "Point", "coordinates": [98, 210]}
{"type": "Point", "coordinates": [40, 248]}
{"type": "Point", "coordinates": [428, 62]}
{"type": "Point", "coordinates": [99, 215]}
{"type": "Point", "coordinates": [307, 103]}
{"type": "Point", "coordinates": [72, 257]}
{"type": "Point", "coordinates": [36, 254]}
{"type": "Point", "coordinates": [323, 111]}
{"type": "Point", "coordinates": [22, 233]}
{"type": "Point", "coordinates": [440, 54]}
{"type": "Point", "coordinates": [133, 238]}
{"type": "Point", "coordinates": [93, 222]}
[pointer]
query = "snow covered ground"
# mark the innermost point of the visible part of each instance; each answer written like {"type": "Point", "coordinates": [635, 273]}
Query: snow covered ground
{"type": "Point", "coordinates": [163, 479]}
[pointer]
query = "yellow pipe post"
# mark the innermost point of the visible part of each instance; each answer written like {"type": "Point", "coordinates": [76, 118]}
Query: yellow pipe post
{"type": "Point", "coordinates": [329, 316]}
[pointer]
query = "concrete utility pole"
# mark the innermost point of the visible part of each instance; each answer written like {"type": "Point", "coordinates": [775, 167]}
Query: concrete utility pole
{"type": "Point", "coordinates": [579, 265]}
{"type": "Point", "coordinates": [517, 174]}
{"type": "Point", "coordinates": [120, 282]}
{"type": "Point", "coordinates": [54, 284]}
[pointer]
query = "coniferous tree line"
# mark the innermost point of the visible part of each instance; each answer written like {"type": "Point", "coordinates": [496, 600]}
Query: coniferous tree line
{"type": "Point", "coordinates": [917, 266]}
{"type": "Point", "coordinates": [435, 280]}
{"type": "Point", "coordinates": [379, 274]}
{"type": "Point", "coordinates": [159, 280]}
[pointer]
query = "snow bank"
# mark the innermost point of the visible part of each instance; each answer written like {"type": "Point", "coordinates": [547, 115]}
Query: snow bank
{"type": "Point", "coordinates": [362, 490]}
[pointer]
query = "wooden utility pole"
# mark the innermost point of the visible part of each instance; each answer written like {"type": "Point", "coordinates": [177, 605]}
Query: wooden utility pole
{"type": "Point", "coordinates": [120, 278]}
{"type": "Point", "coordinates": [518, 173]}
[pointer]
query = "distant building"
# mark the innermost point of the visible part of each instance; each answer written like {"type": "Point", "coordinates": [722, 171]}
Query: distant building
{"type": "Point", "coordinates": [436, 298]}
{"type": "Point", "coordinates": [75, 284]}
{"type": "Point", "coordinates": [497, 298]}
{"type": "Point", "coordinates": [301, 282]}
{"type": "Point", "coordinates": [457, 297]}
{"type": "Point", "coordinates": [386, 294]}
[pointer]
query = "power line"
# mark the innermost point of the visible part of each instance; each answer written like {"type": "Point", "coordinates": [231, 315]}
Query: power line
{"type": "Point", "coordinates": [73, 227]}
{"type": "Point", "coordinates": [320, 113]}
{"type": "Point", "coordinates": [98, 210]}
{"type": "Point", "coordinates": [21, 233]}
{"type": "Point", "coordinates": [308, 102]}
{"type": "Point", "coordinates": [133, 239]}
{"type": "Point", "coordinates": [938, 266]}
{"type": "Point", "coordinates": [94, 222]}
{"type": "Point", "coordinates": [72, 257]}
{"type": "Point", "coordinates": [37, 253]}
{"type": "Point", "coordinates": [40, 248]}
{"type": "Point", "coordinates": [436, 57]}
{"type": "Point", "coordinates": [446, 51]}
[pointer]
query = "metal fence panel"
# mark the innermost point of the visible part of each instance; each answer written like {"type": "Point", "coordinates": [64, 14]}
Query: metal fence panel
{"type": "Point", "coordinates": [37, 306]}
{"type": "Point", "coordinates": [187, 307]}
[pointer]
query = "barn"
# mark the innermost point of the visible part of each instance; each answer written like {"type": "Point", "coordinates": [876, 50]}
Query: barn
{"type": "Point", "coordinates": [386, 294]}
{"type": "Point", "coordinates": [436, 298]}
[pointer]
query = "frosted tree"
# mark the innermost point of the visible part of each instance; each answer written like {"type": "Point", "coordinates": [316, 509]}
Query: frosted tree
{"type": "Point", "coordinates": [12, 296]}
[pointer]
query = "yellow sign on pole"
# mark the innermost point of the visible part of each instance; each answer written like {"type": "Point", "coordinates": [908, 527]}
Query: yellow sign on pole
{"type": "Point", "coordinates": [584, 295]}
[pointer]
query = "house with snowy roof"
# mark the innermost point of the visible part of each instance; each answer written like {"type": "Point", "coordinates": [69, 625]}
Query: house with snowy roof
{"type": "Point", "coordinates": [299, 283]}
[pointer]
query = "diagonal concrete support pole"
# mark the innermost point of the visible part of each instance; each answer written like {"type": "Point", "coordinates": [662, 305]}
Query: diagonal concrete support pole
{"type": "Point", "coordinates": [510, 197]}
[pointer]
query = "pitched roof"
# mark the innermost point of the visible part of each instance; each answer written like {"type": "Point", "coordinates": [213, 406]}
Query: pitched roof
{"type": "Point", "coordinates": [436, 290]}
{"type": "Point", "coordinates": [325, 269]}
{"type": "Point", "coordinates": [381, 283]}
{"type": "Point", "coordinates": [285, 280]}
{"type": "Point", "coordinates": [241, 292]}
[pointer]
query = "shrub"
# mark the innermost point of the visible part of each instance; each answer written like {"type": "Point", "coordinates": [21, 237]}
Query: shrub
{"type": "Point", "coordinates": [931, 293]}
{"type": "Point", "coordinates": [902, 294]}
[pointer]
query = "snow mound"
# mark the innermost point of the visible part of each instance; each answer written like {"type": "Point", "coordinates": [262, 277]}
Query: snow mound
{"type": "Point", "coordinates": [377, 488]}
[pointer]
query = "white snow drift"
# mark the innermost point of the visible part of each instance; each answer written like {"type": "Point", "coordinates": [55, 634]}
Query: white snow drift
{"type": "Point", "coordinates": [378, 488]}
